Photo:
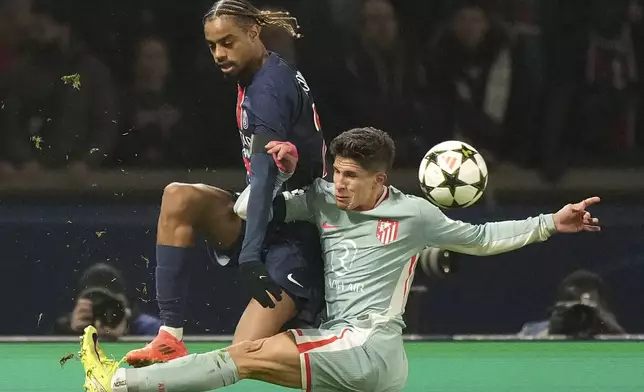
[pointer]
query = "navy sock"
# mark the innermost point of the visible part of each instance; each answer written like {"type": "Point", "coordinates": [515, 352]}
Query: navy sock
{"type": "Point", "coordinates": [172, 277]}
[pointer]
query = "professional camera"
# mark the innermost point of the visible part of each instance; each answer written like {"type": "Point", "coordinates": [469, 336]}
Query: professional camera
{"type": "Point", "coordinates": [108, 307]}
{"type": "Point", "coordinates": [581, 310]}
{"type": "Point", "coordinates": [435, 262]}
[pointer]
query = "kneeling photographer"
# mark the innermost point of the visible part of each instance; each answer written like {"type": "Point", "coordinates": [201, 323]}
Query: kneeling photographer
{"type": "Point", "coordinates": [581, 310]}
{"type": "Point", "coordinates": [103, 302]}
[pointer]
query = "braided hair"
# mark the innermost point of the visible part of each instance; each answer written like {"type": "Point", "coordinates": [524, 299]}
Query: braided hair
{"type": "Point", "coordinates": [252, 15]}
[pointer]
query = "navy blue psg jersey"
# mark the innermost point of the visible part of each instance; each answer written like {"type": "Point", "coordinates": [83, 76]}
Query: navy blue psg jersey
{"type": "Point", "coordinates": [278, 104]}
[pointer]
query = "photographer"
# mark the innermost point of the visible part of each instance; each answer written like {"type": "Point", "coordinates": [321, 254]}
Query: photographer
{"type": "Point", "coordinates": [581, 310]}
{"type": "Point", "coordinates": [102, 301]}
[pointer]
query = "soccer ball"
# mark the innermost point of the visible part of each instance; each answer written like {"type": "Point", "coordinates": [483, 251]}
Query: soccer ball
{"type": "Point", "coordinates": [453, 175]}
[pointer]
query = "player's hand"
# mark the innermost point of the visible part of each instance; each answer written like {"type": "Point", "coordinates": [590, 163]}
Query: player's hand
{"type": "Point", "coordinates": [574, 218]}
{"type": "Point", "coordinates": [82, 315]}
{"type": "Point", "coordinates": [260, 284]}
{"type": "Point", "coordinates": [284, 154]}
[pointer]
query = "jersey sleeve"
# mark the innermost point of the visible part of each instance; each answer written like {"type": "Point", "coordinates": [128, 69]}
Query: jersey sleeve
{"type": "Point", "coordinates": [298, 204]}
{"type": "Point", "coordinates": [485, 239]}
{"type": "Point", "coordinates": [270, 110]}
{"type": "Point", "coordinates": [268, 115]}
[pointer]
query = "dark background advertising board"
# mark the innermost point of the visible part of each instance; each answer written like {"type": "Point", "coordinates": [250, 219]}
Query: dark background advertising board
{"type": "Point", "coordinates": [45, 248]}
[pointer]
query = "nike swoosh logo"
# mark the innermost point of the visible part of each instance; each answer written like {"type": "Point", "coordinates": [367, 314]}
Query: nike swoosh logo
{"type": "Point", "coordinates": [263, 277]}
{"type": "Point", "coordinates": [326, 225]}
{"type": "Point", "coordinates": [290, 278]}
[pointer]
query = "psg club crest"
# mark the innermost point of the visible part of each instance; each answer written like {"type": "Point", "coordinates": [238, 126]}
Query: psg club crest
{"type": "Point", "coordinates": [387, 231]}
{"type": "Point", "coordinates": [244, 119]}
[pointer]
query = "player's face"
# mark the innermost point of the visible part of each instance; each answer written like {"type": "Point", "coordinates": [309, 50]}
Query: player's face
{"type": "Point", "coordinates": [356, 188]}
{"type": "Point", "coordinates": [233, 47]}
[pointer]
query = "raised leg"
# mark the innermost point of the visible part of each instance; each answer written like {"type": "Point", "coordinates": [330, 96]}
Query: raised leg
{"type": "Point", "coordinates": [185, 210]}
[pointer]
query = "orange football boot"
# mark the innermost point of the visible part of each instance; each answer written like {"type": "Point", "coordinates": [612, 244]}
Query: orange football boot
{"type": "Point", "coordinates": [163, 348]}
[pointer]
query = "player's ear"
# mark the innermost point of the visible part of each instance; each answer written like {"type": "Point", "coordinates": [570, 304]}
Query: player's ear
{"type": "Point", "coordinates": [253, 32]}
{"type": "Point", "coordinates": [381, 178]}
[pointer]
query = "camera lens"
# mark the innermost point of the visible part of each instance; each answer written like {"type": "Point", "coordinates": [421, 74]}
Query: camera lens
{"type": "Point", "coordinates": [108, 309]}
{"type": "Point", "coordinates": [577, 320]}
{"type": "Point", "coordinates": [437, 262]}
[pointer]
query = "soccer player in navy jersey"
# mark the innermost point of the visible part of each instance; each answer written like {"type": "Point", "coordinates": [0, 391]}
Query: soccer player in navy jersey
{"type": "Point", "coordinates": [280, 264]}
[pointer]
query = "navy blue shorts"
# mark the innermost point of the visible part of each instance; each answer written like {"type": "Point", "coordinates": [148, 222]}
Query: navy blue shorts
{"type": "Point", "coordinates": [293, 257]}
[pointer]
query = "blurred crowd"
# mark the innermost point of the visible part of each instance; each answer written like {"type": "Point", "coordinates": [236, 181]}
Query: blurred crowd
{"type": "Point", "coordinates": [534, 83]}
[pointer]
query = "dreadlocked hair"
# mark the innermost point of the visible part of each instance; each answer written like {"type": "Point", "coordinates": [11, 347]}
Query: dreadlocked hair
{"type": "Point", "coordinates": [244, 9]}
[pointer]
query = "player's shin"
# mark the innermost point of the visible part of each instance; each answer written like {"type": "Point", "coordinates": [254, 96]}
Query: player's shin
{"type": "Point", "coordinates": [172, 283]}
{"type": "Point", "coordinates": [193, 373]}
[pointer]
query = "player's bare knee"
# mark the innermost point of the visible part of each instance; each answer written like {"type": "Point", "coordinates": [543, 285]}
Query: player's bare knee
{"type": "Point", "coordinates": [262, 358]}
{"type": "Point", "coordinates": [244, 355]}
{"type": "Point", "coordinates": [180, 202]}
{"type": "Point", "coordinates": [246, 346]}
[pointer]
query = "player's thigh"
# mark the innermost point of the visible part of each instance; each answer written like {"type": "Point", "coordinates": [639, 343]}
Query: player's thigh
{"type": "Point", "coordinates": [275, 360]}
{"type": "Point", "coordinates": [293, 258]}
{"type": "Point", "coordinates": [386, 350]}
{"type": "Point", "coordinates": [209, 209]}
{"type": "Point", "coordinates": [258, 322]}
{"type": "Point", "coordinates": [335, 360]}
{"type": "Point", "coordinates": [352, 359]}
{"type": "Point", "coordinates": [218, 221]}
{"type": "Point", "coordinates": [302, 293]}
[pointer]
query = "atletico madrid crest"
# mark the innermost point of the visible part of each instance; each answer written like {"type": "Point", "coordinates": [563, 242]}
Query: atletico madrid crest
{"type": "Point", "coordinates": [387, 231]}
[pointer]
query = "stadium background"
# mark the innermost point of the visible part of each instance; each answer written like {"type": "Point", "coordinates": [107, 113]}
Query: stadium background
{"type": "Point", "coordinates": [572, 128]}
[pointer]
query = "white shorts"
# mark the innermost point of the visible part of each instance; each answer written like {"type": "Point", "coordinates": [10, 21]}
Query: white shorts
{"type": "Point", "coordinates": [351, 359]}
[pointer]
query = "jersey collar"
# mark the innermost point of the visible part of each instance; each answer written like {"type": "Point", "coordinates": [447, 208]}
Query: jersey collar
{"type": "Point", "coordinates": [383, 197]}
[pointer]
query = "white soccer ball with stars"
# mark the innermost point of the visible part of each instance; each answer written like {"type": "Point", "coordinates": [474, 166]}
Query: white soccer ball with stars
{"type": "Point", "coordinates": [453, 174]}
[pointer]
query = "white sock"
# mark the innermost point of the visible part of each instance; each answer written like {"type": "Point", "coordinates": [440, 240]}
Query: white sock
{"type": "Point", "coordinates": [119, 383]}
{"type": "Point", "coordinates": [176, 332]}
{"type": "Point", "coordinates": [192, 373]}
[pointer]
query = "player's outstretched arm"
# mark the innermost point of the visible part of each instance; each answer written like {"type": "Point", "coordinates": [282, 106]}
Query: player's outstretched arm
{"type": "Point", "coordinates": [499, 237]}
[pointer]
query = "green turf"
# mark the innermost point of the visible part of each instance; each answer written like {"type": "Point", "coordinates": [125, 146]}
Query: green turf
{"type": "Point", "coordinates": [440, 367]}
